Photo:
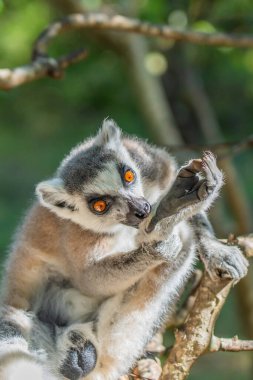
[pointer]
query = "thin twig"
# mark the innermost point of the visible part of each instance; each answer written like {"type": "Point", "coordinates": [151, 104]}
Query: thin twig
{"type": "Point", "coordinates": [222, 150]}
{"type": "Point", "coordinates": [39, 68]}
{"type": "Point", "coordinates": [233, 344]}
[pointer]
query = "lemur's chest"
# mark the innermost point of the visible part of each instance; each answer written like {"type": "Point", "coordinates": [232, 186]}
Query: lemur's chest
{"type": "Point", "coordinates": [123, 241]}
{"type": "Point", "coordinates": [82, 249]}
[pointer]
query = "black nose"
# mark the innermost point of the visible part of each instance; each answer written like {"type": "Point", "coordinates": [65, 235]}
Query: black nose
{"type": "Point", "coordinates": [139, 209]}
{"type": "Point", "coordinates": [143, 211]}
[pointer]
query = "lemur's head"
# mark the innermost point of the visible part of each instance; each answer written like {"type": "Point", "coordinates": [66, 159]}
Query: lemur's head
{"type": "Point", "coordinates": [98, 185]}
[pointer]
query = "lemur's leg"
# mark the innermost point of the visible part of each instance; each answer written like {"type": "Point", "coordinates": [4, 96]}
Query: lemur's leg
{"type": "Point", "coordinates": [123, 324]}
{"type": "Point", "coordinates": [219, 259]}
{"type": "Point", "coordinates": [127, 322]}
{"type": "Point", "coordinates": [66, 311]}
{"type": "Point", "coordinates": [190, 193]}
{"type": "Point", "coordinates": [19, 359]}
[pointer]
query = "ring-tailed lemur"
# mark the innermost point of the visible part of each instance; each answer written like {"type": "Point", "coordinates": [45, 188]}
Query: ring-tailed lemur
{"type": "Point", "coordinates": [93, 270]}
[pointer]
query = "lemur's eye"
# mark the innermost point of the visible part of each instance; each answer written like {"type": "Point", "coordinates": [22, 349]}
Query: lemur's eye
{"type": "Point", "coordinates": [99, 206]}
{"type": "Point", "coordinates": [129, 176]}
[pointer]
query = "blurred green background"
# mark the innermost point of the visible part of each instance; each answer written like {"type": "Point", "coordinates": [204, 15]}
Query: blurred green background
{"type": "Point", "coordinates": [171, 93]}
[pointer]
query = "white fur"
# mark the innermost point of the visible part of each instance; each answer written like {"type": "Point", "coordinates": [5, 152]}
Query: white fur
{"type": "Point", "coordinates": [23, 367]}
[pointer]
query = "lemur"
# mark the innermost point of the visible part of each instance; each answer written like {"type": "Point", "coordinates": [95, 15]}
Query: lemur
{"type": "Point", "coordinates": [101, 258]}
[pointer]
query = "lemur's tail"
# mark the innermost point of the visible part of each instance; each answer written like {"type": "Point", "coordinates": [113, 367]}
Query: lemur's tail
{"type": "Point", "coordinates": [17, 362]}
{"type": "Point", "coordinates": [21, 366]}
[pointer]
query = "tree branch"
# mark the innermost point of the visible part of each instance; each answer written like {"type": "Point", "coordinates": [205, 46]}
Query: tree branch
{"type": "Point", "coordinates": [54, 67]}
{"type": "Point", "coordinates": [39, 68]}
{"type": "Point", "coordinates": [233, 344]}
{"type": "Point", "coordinates": [195, 336]}
{"type": "Point", "coordinates": [223, 150]}
{"type": "Point", "coordinates": [124, 24]}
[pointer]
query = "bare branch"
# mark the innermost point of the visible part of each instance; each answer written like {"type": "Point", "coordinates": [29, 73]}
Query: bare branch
{"type": "Point", "coordinates": [244, 242]}
{"type": "Point", "coordinates": [223, 150]}
{"type": "Point", "coordinates": [193, 338]}
{"type": "Point", "coordinates": [233, 344]}
{"type": "Point", "coordinates": [39, 68]}
{"type": "Point", "coordinates": [54, 67]}
{"type": "Point", "coordinates": [124, 24]}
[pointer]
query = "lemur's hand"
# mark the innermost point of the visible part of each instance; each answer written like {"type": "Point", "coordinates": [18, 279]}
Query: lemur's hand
{"type": "Point", "coordinates": [223, 261]}
{"type": "Point", "coordinates": [196, 186]}
{"type": "Point", "coordinates": [169, 248]}
{"type": "Point", "coordinates": [165, 248]}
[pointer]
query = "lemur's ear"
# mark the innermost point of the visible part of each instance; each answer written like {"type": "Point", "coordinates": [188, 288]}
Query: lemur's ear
{"type": "Point", "coordinates": [53, 195]}
{"type": "Point", "coordinates": [109, 135]}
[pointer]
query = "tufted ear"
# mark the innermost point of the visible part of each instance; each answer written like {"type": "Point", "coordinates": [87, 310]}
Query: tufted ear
{"type": "Point", "coordinates": [53, 195]}
{"type": "Point", "coordinates": [109, 135]}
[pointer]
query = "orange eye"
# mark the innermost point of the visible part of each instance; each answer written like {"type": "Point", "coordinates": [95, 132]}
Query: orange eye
{"type": "Point", "coordinates": [99, 206]}
{"type": "Point", "coordinates": [129, 176]}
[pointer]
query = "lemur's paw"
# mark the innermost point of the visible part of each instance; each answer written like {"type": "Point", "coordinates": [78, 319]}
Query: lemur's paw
{"type": "Point", "coordinates": [80, 358]}
{"type": "Point", "coordinates": [148, 368]}
{"type": "Point", "coordinates": [169, 248]}
{"type": "Point", "coordinates": [229, 263]}
{"type": "Point", "coordinates": [196, 187]}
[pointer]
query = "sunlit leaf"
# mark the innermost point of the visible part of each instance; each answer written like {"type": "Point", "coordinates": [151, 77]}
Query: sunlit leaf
{"type": "Point", "coordinates": [203, 26]}
{"type": "Point", "coordinates": [178, 19]}
{"type": "Point", "coordinates": [156, 63]}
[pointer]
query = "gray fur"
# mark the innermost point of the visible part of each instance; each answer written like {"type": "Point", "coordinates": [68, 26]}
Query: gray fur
{"type": "Point", "coordinates": [84, 166]}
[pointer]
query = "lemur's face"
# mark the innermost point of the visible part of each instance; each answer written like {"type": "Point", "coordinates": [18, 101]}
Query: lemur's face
{"type": "Point", "coordinates": [98, 185]}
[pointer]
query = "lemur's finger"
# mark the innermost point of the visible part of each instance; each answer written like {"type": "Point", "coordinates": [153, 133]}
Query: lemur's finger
{"type": "Point", "coordinates": [245, 261]}
{"type": "Point", "coordinates": [229, 273]}
{"type": "Point", "coordinates": [202, 191]}
{"type": "Point", "coordinates": [213, 173]}
{"type": "Point", "coordinates": [193, 167]}
{"type": "Point", "coordinates": [233, 265]}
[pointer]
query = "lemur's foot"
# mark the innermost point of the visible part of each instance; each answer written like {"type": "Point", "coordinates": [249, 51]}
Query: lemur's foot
{"type": "Point", "coordinates": [80, 357]}
{"type": "Point", "coordinates": [148, 368]}
{"type": "Point", "coordinates": [225, 261]}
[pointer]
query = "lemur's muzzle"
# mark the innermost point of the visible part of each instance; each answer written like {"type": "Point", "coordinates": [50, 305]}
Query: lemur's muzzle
{"type": "Point", "coordinates": [139, 209]}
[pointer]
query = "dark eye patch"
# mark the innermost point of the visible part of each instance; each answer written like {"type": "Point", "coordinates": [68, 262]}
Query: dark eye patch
{"type": "Point", "coordinates": [63, 204]}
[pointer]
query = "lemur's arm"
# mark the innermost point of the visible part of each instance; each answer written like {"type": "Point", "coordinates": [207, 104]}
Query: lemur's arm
{"type": "Point", "coordinates": [219, 259]}
{"type": "Point", "coordinates": [190, 196]}
{"type": "Point", "coordinates": [115, 273]}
